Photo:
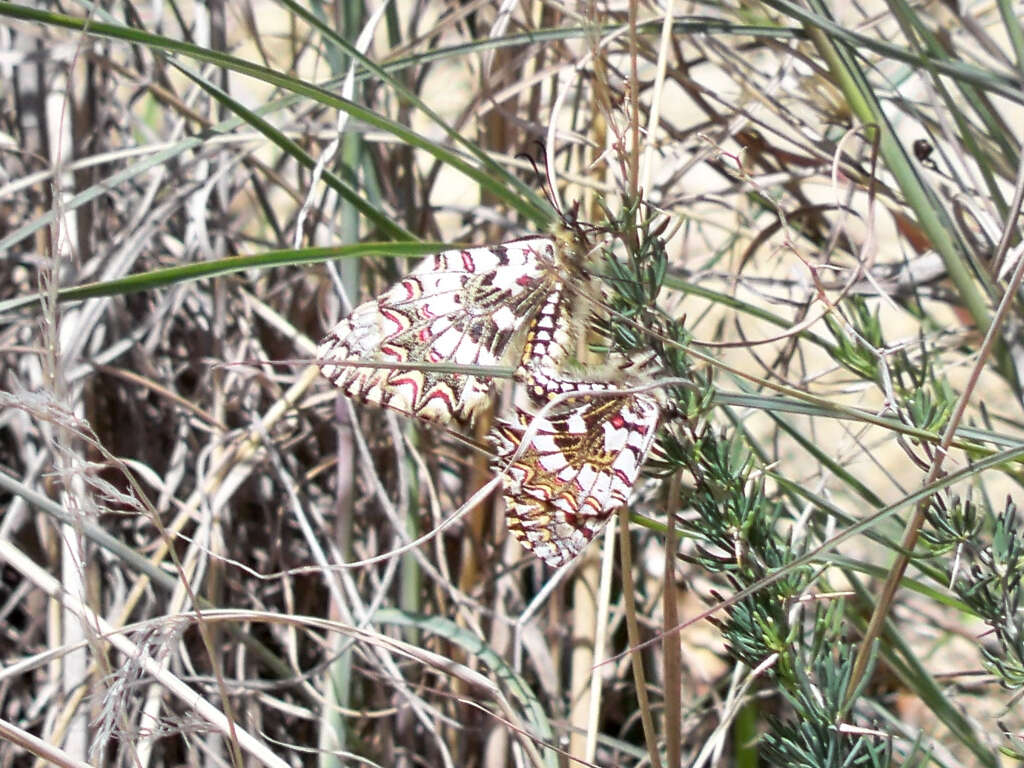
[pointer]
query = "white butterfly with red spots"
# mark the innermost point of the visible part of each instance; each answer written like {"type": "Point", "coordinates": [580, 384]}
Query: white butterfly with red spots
{"type": "Point", "coordinates": [524, 302]}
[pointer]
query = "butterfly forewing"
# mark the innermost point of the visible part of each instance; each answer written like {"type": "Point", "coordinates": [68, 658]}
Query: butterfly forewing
{"type": "Point", "coordinates": [463, 307]}
{"type": "Point", "coordinates": [578, 466]}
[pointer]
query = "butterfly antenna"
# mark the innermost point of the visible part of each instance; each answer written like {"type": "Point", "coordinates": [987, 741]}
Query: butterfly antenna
{"type": "Point", "coordinates": [548, 187]}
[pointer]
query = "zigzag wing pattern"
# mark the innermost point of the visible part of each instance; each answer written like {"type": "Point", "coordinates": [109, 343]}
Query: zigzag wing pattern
{"type": "Point", "coordinates": [464, 307]}
{"type": "Point", "coordinates": [578, 466]}
{"type": "Point", "coordinates": [562, 474]}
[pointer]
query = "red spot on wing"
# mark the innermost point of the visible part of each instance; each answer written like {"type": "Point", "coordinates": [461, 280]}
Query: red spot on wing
{"type": "Point", "coordinates": [402, 381]}
{"type": "Point", "coordinates": [397, 319]}
{"type": "Point", "coordinates": [387, 350]}
{"type": "Point", "coordinates": [442, 394]}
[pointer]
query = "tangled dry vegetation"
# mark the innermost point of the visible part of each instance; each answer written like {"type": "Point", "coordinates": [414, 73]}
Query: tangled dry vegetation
{"type": "Point", "coordinates": [811, 219]}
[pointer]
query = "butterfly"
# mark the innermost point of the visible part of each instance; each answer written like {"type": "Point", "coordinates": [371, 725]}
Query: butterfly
{"type": "Point", "coordinates": [521, 302]}
{"type": "Point", "coordinates": [564, 474]}
{"type": "Point", "coordinates": [474, 306]}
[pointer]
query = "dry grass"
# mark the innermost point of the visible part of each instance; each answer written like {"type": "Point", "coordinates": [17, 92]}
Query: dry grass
{"type": "Point", "coordinates": [183, 495]}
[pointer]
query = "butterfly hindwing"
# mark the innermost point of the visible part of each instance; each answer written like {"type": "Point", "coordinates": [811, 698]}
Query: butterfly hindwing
{"type": "Point", "coordinates": [578, 466]}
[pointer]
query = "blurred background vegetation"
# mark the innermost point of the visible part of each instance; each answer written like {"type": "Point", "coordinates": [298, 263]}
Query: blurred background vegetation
{"type": "Point", "coordinates": [812, 214]}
